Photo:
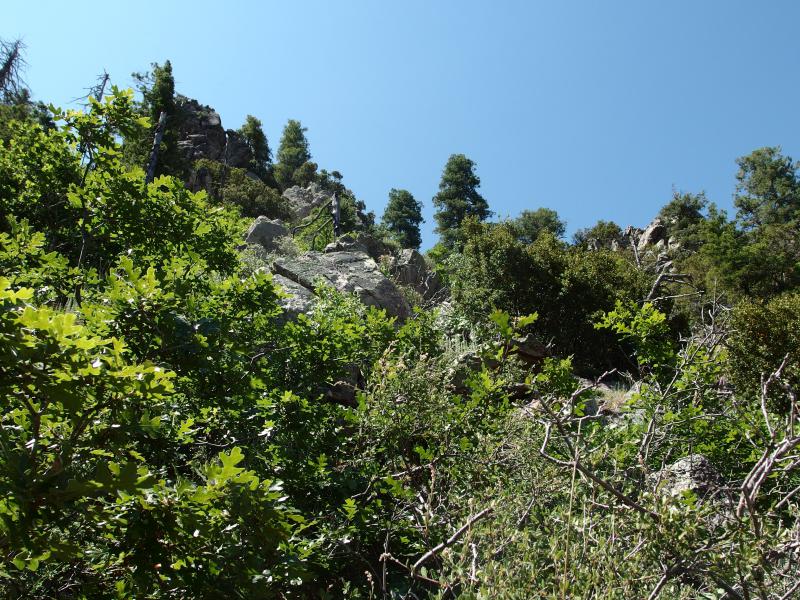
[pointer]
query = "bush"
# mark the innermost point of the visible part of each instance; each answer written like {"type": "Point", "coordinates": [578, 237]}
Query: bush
{"type": "Point", "coordinates": [567, 286]}
{"type": "Point", "coordinates": [235, 187]}
{"type": "Point", "coordinates": [764, 335]}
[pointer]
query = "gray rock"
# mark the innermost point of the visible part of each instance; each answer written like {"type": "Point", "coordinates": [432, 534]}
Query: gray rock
{"type": "Point", "coordinates": [411, 269]}
{"type": "Point", "coordinates": [654, 233]}
{"type": "Point", "coordinates": [265, 232]}
{"type": "Point", "coordinates": [464, 365]}
{"type": "Point", "coordinates": [237, 152]}
{"type": "Point", "coordinates": [349, 272]}
{"type": "Point", "coordinates": [303, 201]}
{"type": "Point", "coordinates": [201, 135]}
{"type": "Point", "coordinates": [345, 389]}
{"type": "Point", "coordinates": [530, 350]}
{"type": "Point", "coordinates": [346, 243]}
{"type": "Point", "coordinates": [693, 473]}
{"type": "Point", "coordinates": [298, 299]}
{"type": "Point", "coordinates": [373, 246]}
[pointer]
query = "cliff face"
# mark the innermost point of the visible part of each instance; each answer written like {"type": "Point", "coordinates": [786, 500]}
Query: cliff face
{"type": "Point", "coordinates": [202, 136]}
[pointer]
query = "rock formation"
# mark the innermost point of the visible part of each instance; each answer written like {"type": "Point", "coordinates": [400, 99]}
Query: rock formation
{"type": "Point", "coordinates": [265, 232]}
{"type": "Point", "coordinates": [303, 201]}
{"type": "Point", "coordinates": [201, 135]}
{"type": "Point", "coordinates": [410, 269]}
{"type": "Point", "coordinates": [349, 272]}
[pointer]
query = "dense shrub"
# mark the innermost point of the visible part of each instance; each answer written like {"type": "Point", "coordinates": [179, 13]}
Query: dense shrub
{"type": "Point", "coordinates": [235, 187]}
{"type": "Point", "coordinates": [567, 286]}
{"type": "Point", "coordinates": [765, 336]}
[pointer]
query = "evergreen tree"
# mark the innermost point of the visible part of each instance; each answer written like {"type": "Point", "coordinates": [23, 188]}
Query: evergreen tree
{"type": "Point", "coordinates": [683, 217]}
{"type": "Point", "coordinates": [292, 154]}
{"type": "Point", "coordinates": [768, 189]}
{"type": "Point", "coordinates": [530, 224]}
{"type": "Point", "coordinates": [458, 198]}
{"type": "Point", "coordinates": [402, 217]}
{"type": "Point", "coordinates": [158, 95]}
{"type": "Point", "coordinates": [256, 139]}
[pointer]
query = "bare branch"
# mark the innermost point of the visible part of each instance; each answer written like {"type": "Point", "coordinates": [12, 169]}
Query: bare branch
{"type": "Point", "coordinates": [451, 540]}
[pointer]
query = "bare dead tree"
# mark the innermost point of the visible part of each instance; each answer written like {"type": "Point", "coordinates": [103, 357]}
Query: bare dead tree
{"type": "Point", "coordinates": [11, 65]}
{"type": "Point", "coordinates": [151, 164]}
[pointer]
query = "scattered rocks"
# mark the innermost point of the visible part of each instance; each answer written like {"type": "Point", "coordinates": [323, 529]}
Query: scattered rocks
{"type": "Point", "coordinates": [530, 350]}
{"type": "Point", "coordinates": [693, 473]}
{"type": "Point", "coordinates": [345, 389]}
{"type": "Point", "coordinates": [346, 243]}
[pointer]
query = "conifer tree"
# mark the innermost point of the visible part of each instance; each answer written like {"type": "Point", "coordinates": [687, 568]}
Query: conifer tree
{"type": "Point", "coordinates": [292, 154]}
{"type": "Point", "coordinates": [402, 217]}
{"type": "Point", "coordinates": [458, 198]}
{"type": "Point", "coordinates": [256, 139]}
{"type": "Point", "coordinates": [158, 95]}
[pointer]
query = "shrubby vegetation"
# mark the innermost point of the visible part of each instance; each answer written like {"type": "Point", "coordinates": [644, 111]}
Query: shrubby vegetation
{"type": "Point", "coordinates": [167, 433]}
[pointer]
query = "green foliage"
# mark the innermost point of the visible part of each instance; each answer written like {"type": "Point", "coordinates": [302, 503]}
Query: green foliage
{"type": "Point", "coordinates": [603, 234]}
{"type": "Point", "coordinates": [646, 329]}
{"type": "Point", "coordinates": [768, 189]}
{"type": "Point", "coordinates": [565, 285]}
{"type": "Point", "coordinates": [293, 156]}
{"type": "Point", "coordinates": [235, 188]}
{"type": "Point", "coordinates": [166, 432]}
{"type": "Point", "coordinates": [764, 335]}
{"type": "Point", "coordinates": [759, 254]}
{"type": "Point", "coordinates": [254, 136]}
{"type": "Point", "coordinates": [683, 218]}
{"type": "Point", "coordinates": [158, 95]}
{"type": "Point", "coordinates": [457, 199]}
{"type": "Point", "coordinates": [402, 217]}
{"type": "Point", "coordinates": [530, 224]}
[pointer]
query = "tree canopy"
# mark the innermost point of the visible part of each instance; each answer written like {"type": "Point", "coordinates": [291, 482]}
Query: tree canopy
{"type": "Point", "coordinates": [458, 198]}
{"type": "Point", "coordinates": [402, 217]}
{"type": "Point", "coordinates": [293, 158]}
{"type": "Point", "coordinates": [530, 224]}
{"type": "Point", "coordinates": [256, 139]}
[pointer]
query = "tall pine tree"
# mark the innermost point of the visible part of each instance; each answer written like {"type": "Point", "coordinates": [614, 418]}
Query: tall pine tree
{"type": "Point", "coordinates": [256, 139]}
{"type": "Point", "coordinates": [402, 217]}
{"type": "Point", "coordinates": [293, 158]}
{"type": "Point", "coordinates": [458, 198]}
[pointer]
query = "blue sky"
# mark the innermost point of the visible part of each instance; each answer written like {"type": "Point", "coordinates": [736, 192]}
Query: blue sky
{"type": "Point", "coordinates": [595, 109]}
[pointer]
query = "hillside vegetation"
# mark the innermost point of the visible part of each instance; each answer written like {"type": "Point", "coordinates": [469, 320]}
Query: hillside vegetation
{"type": "Point", "coordinates": [611, 417]}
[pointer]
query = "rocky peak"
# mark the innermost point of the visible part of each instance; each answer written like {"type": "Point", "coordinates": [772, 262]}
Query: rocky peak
{"type": "Point", "coordinates": [201, 135]}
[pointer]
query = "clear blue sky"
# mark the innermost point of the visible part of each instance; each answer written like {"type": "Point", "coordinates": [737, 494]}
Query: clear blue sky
{"type": "Point", "coordinates": [596, 109]}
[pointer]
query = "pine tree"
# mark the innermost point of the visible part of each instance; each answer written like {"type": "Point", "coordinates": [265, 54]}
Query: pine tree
{"type": "Point", "coordinates": [402, 217]}
{"type": "Point", "coordinates": [458, 198]}
{"type": "Point", "coordinates": [158, 95]}
{"type": "Point", "coordinates": [256, 139]}
{"type": "Point", "coordinates": [292, 154]}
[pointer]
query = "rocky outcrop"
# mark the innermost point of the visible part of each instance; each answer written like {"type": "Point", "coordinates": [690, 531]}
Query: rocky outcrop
{"type": "Point", "coordinates": [410, 269]}
{"type": "Point", "coordinates": [303, 201]}
{"type": "Point", "coordinates": [653, 235]}
{"type": "Point", "coordinates": [297, 298]}
{"type": "Point", "coordinates": [349, 272]}
{"type": "Point", "coordinates": [201, 135]}
{"type": "Point", "coordinates": [265, 232]}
